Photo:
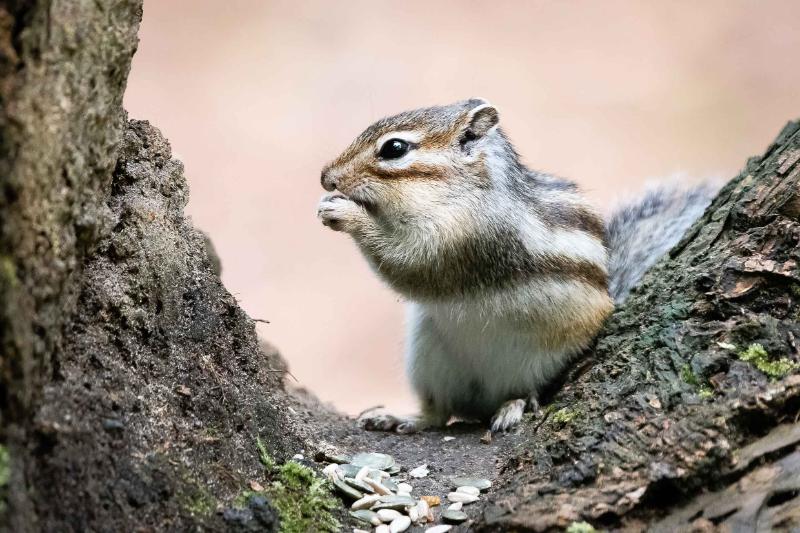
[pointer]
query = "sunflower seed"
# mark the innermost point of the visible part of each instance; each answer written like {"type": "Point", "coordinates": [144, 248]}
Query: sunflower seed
{"type": "Point", "coordinates": [424, 511]}
{"type": "Point", "coordinates": [401, 523]}
{"type": "Point", "coordinates": [387, 515]}
{"type": "Point", "coordinates": [347, 490]}
{"type": "Point", "coordinates": [365, 502]}
{"type": "Point", "coordinates": [454, 516]}
{"type": "Point", "coordinates": [456, 497]}
{"type": "Point", "coordinates": [420, 471]}
{"type": "Point", "coordinates": [377, 487]}
{"type": "Point", "coordinates": [481, 484]}
{"type": "Point", "coordinates": [364, 515]}
{"type": "Point", "coordinates": [393, 501]}
{"type": "Point", "coordinates": [467, 489]}
{"type": "Point", "coordinates": [456, 506]}
{"type": "Point", "coordinates": [378, 461]}
{"type": "Point", "coordinates": [348, 470]}
{"type": "Point", "coordinates": [404, 487]}
{"type": "Point", "coordinates": [331, 471]}
{"type": "Point", "coordinates": [362, 473]}
{"type": "Point", "coordinates": [444, 528]}
{"type": "Point", "coordinates": [359, 485]}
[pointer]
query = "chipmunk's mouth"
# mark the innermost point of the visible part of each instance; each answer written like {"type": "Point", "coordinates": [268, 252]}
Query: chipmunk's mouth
{"type": "Point", "coordinates": [363, 200]}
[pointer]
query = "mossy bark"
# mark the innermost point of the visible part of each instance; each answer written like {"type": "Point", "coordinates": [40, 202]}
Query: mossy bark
{"type": "Point", "coordinates": [134, 391]}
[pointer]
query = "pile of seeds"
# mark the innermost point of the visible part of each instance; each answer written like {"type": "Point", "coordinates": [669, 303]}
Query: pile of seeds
{"type": "Point", "coordinates": [380, 499]}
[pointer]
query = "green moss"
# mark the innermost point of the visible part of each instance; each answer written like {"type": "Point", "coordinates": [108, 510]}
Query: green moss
{"type": "Point", "coordinates": [264, 456]}
{"type": "Point", "coordinates": [795, 288]}
{"type": "Point", "coordinates": [5, 476]}
{"type": "Point", "coordinates": [5, 468]}
{"type": "Point", "coordinates": [200, 503]}
{"type": "Point", "coordinates": [8, 273]}
{"type": "Point", "coordinates": [688, 376]}
{"type": "Point", "coordinates": [758, 356]}
{"type": "Point", "coordinates": [565, 415]}
{"type": "Point", "coordinates": [581, 527]}
{"type": "Point", "coordinates": [303, 500]}
{"type": "Point", "coordinates": [706, 392]}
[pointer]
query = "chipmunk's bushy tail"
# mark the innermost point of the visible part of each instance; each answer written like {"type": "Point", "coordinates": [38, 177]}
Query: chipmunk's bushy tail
{"type": "Point", "coordinates": [640, 232]}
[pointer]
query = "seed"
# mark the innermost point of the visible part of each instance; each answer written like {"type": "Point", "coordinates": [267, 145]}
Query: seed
{"type": "Point", "coordinates": [362, 473]}
{"type": "Point", "coordinates": [377, 487]}
{"type": "Point", "coordinates": [481, 484]}
{"type": "Point", "coordinates": [456, 497]}
{"type": "Point", "coordinates": [365, 502]}
{"type": "Point", "coordinates": [331, 471]}
{"type": "Point", "coordinates": [378, 461]}
{"type": "Point", "coordinates": [424, 511]}
{"type": "Point", "coordinates": [359, 485]}
{"type": "Point", "coordinates": [387, 515]}
{"type": "Point", "coordinates": [401, 523]}
{"type": "Point", "coordinates": [413, 514]}
{"type": "Point", "coordinates": [365, 515]}
{"type": "Point", "coordinates": [432, 501]}
{"type": "Point", "coordinates": [454, 516]}
{"type": "Point", "coordinates": [348, 470]}
{"type": "Point", "coordinates": [394, 501]}
{"type": "Point", "coordinates": [466, 489]}
{"type": "Point", "coordinates": [420, 471]}
{"type": "Point", "coordinates": [334, 458]}
{"type": "Point", "coordinates": [347, 490]}
{"type": "Point", "coordinates": [404, 487]}
{"type": "Point", "coordinates": [383, 528]}
{"type": "Point", "coordinates": [456, 506]}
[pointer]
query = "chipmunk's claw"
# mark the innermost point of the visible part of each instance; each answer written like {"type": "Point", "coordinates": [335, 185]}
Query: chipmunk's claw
{"type": "Point", "coordinates": [508, 416]}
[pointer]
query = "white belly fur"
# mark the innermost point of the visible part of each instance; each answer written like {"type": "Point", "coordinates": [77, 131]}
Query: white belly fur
{"type": "Point", "coordinates": [467, 364]}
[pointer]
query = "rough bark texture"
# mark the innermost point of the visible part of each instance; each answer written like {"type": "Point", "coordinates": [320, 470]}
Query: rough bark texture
{"type": "Point", "coordinates": [670, 409]}
{"type": "Point", "coordinates": [63, 67]}
{"type": "Point", "coordinates": [134, 388]}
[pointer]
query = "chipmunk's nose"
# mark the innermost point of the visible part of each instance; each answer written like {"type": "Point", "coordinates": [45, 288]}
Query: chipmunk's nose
{"type": "Point", "coordinates": [329, 179]}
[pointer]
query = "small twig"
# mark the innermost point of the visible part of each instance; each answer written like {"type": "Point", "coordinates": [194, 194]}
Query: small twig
{"type": "Point", "coordinates": [260, 320]}
{"type": "Point", "coordinates": [284, 371]}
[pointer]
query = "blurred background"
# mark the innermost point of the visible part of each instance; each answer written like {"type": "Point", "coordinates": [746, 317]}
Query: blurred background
{"type": "Point", "coordinates": [255, 96]}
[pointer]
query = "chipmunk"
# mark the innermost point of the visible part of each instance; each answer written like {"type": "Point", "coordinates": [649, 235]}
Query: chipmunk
{"type": "Point", "coordinates": [509, 273]}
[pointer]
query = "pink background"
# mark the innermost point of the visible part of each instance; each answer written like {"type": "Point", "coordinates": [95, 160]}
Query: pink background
{"type": "Point", "coordinates": [256, 96]}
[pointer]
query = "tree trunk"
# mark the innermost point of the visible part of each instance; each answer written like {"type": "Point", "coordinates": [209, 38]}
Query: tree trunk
{"type": "Point", "coordinates": [134, 393]}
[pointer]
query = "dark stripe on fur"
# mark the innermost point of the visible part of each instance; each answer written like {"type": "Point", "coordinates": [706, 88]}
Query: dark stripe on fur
{"type": "Point", "coordinates": [494, 260]}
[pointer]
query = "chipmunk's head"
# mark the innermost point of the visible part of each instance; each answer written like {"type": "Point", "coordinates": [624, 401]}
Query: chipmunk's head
{"type": "Point", "coordinates": [417, 160]}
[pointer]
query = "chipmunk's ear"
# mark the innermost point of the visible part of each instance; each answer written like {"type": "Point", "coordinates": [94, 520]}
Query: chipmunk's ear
{"type": "Point", "coordinates": [481, 119]}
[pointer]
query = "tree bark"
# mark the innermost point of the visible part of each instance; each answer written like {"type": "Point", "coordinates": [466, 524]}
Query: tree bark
{"type": "Point", "coordinates": [63, 68]}
{"type": "Point", "coordinates": [669, 416]}
{"type": "Point", "coordinates": [134, 393]}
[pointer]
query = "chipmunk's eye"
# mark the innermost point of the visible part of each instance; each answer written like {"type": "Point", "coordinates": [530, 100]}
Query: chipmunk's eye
{"type": "Point", "coordinates": [393, 148]}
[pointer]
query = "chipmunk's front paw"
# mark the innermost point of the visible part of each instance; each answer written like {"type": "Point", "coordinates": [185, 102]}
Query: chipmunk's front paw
{"type": "Point", "coordinates": [338, 212]}
{"type": "Point", "coordinates": [382, 421]}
